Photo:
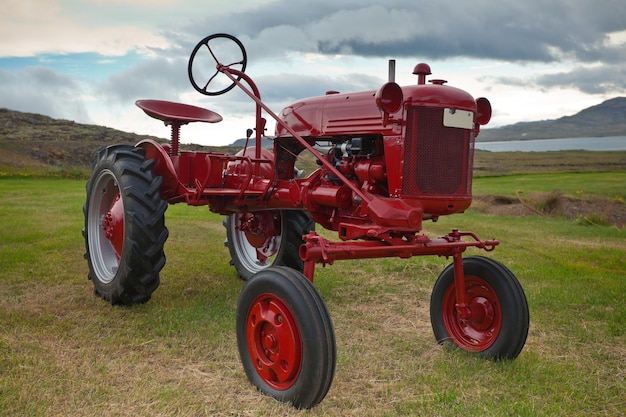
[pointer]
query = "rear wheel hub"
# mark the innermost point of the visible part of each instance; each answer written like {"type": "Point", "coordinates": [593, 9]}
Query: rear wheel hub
{"type": "Point", "coordinates": [113, 225]}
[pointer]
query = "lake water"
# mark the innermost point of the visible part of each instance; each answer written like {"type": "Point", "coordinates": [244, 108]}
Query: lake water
{"type": "Point", "coordinates": [610, 143]}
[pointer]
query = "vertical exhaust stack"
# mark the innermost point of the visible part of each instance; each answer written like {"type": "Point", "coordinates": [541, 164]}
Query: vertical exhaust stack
{"type": "Point", "coordinates": [392, 70]}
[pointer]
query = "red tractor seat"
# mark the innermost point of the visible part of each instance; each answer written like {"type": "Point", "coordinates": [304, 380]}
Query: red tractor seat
{"type": "Point", "coordinates": [177, 113]}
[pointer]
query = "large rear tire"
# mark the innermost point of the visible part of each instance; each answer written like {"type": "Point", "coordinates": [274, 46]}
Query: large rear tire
{"type": "Point", "coordinates": [124, 228]}
{"type": "Point", "coordinates": [285, 337]}
{"type": "Point", "coordinates": [258, 240]}
{"type": "Point", "coordinates": [499, 321]}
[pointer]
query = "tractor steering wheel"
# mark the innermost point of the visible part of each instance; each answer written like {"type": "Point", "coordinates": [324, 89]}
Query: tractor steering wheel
{"type": "Point", "coordinates": [231, 54]}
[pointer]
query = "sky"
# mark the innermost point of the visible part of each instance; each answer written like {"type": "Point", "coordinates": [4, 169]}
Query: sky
{"type": "Point", "coordinates": [90, 60]}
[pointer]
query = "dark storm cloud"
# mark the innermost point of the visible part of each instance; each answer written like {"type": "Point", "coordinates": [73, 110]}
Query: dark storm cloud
{"type": "Point", "coordinates": [532, 30]}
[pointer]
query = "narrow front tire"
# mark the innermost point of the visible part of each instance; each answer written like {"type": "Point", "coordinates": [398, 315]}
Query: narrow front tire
{"type": "Point", "coordinates": [285, 337]}
{"type": "Point", "coordinates": [498, 324]}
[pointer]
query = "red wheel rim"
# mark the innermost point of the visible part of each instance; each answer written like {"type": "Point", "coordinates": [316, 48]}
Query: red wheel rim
{"type": "Point", "coordinates": [274, 342]}
{"type": "Point", "coordinates": [259, 228]}
{"type": "Point", "coordinates": [478, 332]}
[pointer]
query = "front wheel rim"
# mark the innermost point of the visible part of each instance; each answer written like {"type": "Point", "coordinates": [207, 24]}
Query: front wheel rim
{"type": "Point", "coordinates": [478, 332]}
{"type": "Point", "coordinates": [273, 341]}
{"type": "Point", "coordinates": [105, 226]}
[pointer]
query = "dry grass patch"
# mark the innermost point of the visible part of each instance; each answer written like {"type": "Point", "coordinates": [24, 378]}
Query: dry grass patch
{"type": "Point", "coordinates": [593, 210]}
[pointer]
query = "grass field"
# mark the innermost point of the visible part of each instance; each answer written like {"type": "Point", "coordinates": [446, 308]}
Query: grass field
{"type": "Point", "coordinates": [65, 352]}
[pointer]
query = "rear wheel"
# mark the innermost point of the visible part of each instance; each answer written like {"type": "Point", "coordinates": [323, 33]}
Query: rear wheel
{"type": "Point", "coordinates": [499, 320]}
{"type": "Point", "coordinates": [124, 228]}
{"type": "Point", "coordinates": [285, 337]}
{"type": "Point", "coordinates": [258, 240]}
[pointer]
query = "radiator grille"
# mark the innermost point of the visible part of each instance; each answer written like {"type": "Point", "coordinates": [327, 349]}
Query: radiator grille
{"type": "Point", "coordinates": [437, 159]}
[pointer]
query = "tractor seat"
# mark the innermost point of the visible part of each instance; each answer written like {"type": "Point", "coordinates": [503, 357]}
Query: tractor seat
{"type": "Point", "coordinates": [177, 113]}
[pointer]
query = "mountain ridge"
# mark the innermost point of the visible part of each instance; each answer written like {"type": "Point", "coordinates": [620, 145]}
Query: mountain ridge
{"type": "Point", "coordinates": [605, 119]}
{"type": "Point", "coordinates": [35, 140]}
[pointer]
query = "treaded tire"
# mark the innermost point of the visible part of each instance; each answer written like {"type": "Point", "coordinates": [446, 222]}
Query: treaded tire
{"type": "Point", "coordinates": [293, 225]}
{"type": "Point", "coordinates": [124, 228]}
{"type": "Point", "coordinates": [285, 337]}
{"type": "Point", "coordinates": [500, 328]}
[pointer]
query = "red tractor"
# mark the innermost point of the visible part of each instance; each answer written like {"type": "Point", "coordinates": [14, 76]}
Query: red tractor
{"type": "Point", "coordinates": [388, 160]}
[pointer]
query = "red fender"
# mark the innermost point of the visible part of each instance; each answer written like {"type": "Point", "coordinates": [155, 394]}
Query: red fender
{"type": "Point", "coordinates": [164, 167]}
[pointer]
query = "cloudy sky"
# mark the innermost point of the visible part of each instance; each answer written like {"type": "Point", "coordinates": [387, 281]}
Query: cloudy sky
{"type": "Point", "coordinates": [90, 60]}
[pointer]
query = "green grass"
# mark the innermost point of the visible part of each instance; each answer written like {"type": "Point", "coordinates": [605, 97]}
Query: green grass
{"type": "Point", "coordinates": [63, 351]}
{"type": "Point", "coordinates": [608, 184]}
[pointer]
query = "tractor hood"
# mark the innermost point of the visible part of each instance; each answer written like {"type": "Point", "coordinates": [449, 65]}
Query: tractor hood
{"type": "Point", "coordinates": [357, 113]}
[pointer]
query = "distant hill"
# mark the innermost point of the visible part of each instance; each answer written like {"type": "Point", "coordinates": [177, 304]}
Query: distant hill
{"type": "Point", "coordinates": [28, 139]}
{"type": "Point", "coordinates": [265, 143]}
{"type": "Point", "coordinates": [605, 119]}
{"type": "Point", "coordinates": [34, 140]}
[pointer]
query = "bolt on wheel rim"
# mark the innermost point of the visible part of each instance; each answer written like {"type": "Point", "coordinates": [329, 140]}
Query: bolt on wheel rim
{"type": "Point", "coordinates": [481, 329]}
{"type": "Point", "coordinates": [273, 341]}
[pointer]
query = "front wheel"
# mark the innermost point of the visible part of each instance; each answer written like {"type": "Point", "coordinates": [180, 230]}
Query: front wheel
{"type": "Point", "coordinates": [285, 337]}
{"type": "Point", "coordinates": [124, 227]}
{"type": "Point", "coordinates": [499, 319]}
{"type": "Point", "coordinates": [258, 240]}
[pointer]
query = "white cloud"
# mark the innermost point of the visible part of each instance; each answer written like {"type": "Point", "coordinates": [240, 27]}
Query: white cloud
{"type": "Point", "coordinates": [33, 27]}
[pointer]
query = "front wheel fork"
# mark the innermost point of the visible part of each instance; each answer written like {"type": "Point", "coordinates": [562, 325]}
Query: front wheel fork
{"type": "Point", "coordinates": [462, 308]}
